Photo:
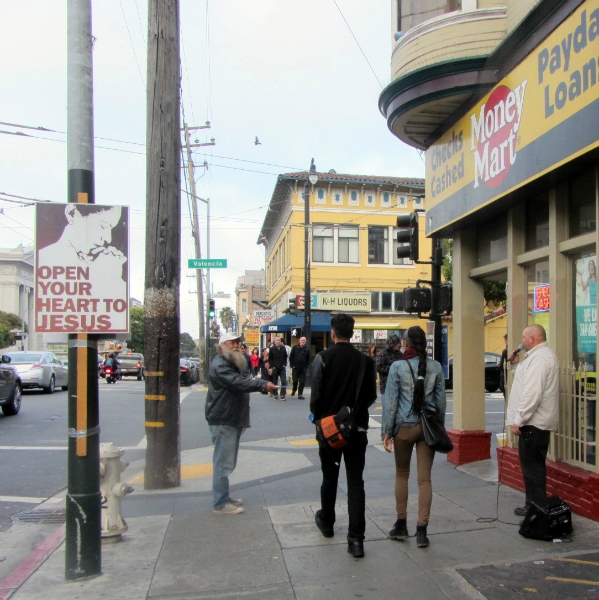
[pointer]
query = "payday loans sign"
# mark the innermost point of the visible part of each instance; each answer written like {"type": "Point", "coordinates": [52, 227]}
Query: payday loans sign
{"type": "Point", "coordinates": [81, 269]}
{"type": "Point", "coordinates": [539, 116]}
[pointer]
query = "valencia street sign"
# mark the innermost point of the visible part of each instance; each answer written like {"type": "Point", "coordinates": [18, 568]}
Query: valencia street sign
{"type": "Point", "coordinates": [207, 263]}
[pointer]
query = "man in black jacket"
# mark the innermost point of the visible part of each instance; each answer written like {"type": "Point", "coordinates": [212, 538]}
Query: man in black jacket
{"type": "Point", "coordinates": [334, 385]}
{"type": "Point", "coordinates": [299, 361]}
{"type": "Point", "coordinates": [228, 414]}
{"type": "Point", "coordinates": [278, 361]}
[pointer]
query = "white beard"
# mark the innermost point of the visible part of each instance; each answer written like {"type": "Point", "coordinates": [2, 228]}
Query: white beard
{"type": "Point", "coordinates": [235, 357]}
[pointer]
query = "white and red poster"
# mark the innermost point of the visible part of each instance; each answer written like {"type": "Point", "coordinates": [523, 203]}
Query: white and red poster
{"type": "Point", "coordinates": [82, 268]}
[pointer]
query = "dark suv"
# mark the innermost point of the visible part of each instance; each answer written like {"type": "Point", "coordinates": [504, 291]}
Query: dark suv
{"type": "Point", "coordinates": [10, 387]}
{"type": "Point", "coordinates": [131, 363]}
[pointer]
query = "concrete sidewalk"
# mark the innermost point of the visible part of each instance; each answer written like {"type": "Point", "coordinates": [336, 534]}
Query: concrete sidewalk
{"type": "Point", "coordinates": [176, 547]}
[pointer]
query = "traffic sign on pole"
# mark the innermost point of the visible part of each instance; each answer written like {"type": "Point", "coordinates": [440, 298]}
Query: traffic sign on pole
{"type": "Point", "coordinates": [207, 263]}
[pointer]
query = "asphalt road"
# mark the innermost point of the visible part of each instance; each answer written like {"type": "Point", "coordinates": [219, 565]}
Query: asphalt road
{"type": "Point", "coordinates": [33, 444]}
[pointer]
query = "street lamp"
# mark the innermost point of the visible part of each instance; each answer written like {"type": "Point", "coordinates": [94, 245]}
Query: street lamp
{"type": "Point", "coordinates": [312, 179]}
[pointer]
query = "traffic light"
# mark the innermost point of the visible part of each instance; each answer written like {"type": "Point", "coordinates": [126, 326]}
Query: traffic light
{"type": "Point", "coordinates": [417, 299]}
{"type": "Point", "coordinates": [408, 234]}
{"type": "Point", "coordinates": [212, 310]}
{"type": "Point", "coordinates": [292, 306]}
{"type": "Point", "coordinates": [445, 304]}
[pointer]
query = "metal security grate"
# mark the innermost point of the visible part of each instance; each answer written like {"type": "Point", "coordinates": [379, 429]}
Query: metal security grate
{"type": "Point", "coordinates": [42, 515]}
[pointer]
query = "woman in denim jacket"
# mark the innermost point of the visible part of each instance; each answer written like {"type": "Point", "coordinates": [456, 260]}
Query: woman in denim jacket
{"type": "Point", "coordinates": [407, 391]}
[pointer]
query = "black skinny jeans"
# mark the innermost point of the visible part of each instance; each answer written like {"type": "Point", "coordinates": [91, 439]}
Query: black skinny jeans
{"type": "Point", "coordinates": [354, 457]}
{"type": "Point", "coordinates": [532, 448]}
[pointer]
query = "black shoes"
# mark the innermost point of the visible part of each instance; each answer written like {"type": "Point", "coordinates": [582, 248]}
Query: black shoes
{"type": "Point", "coordinates": [326, 531]}
{"type": "Point", "coordinates": [355, 548]}
{"type": "Point", "coordinates": [399, 531]}
{"type": "Point", "coordinates": [300, 397]}
{"type": "Point", "coordinates": [521, 511]}
{"type": "Point", "coordinates": [421, 539]}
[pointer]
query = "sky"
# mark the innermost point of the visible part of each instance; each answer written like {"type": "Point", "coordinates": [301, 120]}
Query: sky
{"type": "Point", "coordinates": [302, 76]}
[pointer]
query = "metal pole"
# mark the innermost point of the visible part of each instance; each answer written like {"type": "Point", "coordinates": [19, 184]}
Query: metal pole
{"type": "Point", "coordinates": [307, 291]}
{"type": "Point", "coordinates": [208, 356]}
{"type": "Point", "coordinates": [83, 502]}
{"type": "Point", "coordinates": [436, 279]}
{"type": "Point", "coordinates": [196, 232]}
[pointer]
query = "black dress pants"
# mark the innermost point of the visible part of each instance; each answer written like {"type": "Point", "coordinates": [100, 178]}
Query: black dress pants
{"type": "Point", "coordinates": [299, 379]}
{"type": "Point", "coordinates": [354, 457]}
{"type": "Point", "coordinates": [532, 448]}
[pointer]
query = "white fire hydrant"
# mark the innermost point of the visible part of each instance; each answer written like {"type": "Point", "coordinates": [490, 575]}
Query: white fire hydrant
{"type": "Point", "coordinates": [112, 490]}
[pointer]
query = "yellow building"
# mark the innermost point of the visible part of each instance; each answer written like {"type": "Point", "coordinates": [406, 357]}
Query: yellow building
{"type": "Point", "coordinates": [353, 252]}
{"type": "Point", "coordinates": [503, 96]}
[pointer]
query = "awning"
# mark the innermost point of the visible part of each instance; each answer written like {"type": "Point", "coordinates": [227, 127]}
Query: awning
{"type": "Point", "coordinates": [321, 321]}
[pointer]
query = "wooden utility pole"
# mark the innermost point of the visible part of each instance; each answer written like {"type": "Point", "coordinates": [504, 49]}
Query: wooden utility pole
{"type": "Point", "coordinates": [163, 253]}
{"type": "Point", "coordinates": [83, 556]}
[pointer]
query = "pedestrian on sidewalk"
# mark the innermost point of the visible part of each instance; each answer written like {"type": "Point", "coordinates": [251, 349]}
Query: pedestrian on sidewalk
{"type": "Point", "coordinates": [334, 385]}
{"type": "Point", "coordinates": [255, 360]}
{"type": "Point", "coordinates": [247, 372]}
{"type": "Point", "coordinates": [278, 362]}
{"type": "Point", "coordinates": [385, 359]}
{"type": "Point", "coordinates": [228, 414]}
{"type": "Point", "coordinates": [414, 382]}
{"type": "Point", "coordinates": [532, 410]}
{"type": "Point", "coordinates": [299, 360]}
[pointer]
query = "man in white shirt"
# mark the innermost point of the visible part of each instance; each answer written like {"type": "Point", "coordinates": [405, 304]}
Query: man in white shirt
{"type": "Point", "coordinates": [532, 410]}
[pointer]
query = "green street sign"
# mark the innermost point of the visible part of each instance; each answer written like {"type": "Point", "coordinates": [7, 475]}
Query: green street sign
{"type": "Point", "coordinates": [207, 263]}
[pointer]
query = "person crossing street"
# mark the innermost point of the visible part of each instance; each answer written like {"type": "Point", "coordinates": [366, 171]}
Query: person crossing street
{"type": "Point", "coordinates": [299, 361]}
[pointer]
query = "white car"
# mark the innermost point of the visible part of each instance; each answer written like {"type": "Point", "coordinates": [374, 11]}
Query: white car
{"type": "Point", "coordinates": [40, 370]}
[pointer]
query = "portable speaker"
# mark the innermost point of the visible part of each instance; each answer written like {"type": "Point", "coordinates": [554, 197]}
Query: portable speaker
{"type": "Point", "coordinates": [547, 521]}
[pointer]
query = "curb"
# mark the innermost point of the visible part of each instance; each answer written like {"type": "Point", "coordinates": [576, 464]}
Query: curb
{"type": "Point", "coordinates": [30, 565]}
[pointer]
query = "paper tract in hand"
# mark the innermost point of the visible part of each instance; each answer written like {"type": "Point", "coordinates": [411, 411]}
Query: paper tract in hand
{"type": "Point", "coordinates": [81, 270]}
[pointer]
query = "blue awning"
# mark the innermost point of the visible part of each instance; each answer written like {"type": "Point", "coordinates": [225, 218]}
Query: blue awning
{"type": "Point", "coordinates": [321, 321]}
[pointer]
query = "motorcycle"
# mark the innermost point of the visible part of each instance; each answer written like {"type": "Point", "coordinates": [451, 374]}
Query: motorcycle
{"type": "Point", "coordinates": [112, 374]}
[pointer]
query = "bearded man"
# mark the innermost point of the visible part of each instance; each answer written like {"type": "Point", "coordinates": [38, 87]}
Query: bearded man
{"type": "Point", "coordinates": [228, 414]}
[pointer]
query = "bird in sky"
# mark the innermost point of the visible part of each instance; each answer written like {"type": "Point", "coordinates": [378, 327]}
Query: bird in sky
{"type": "Point", "coordinates": [257, 142]}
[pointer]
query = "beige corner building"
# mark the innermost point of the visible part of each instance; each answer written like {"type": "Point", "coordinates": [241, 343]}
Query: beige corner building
{"type": "Point", "coordinates": [504, 99]}
{"type": "Point", "coordinates": [352, 255]}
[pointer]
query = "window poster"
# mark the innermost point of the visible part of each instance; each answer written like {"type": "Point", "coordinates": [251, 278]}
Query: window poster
{"type": "Point", "coordinates": [586, 305]}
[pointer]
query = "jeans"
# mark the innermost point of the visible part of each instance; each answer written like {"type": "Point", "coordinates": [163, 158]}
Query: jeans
{"type": "Point", "coordinates": [403, 443]}
{"type": "Point", "coordinates": [226, 448]}
{"type": "Point", "coordinates": [532, 448]}
{"type": "Point", "coordinates": [299, 378]}
{"type": "Point", "coordinates": [354, 457]}
{"type": "Point", "coordinates": [282, 373]}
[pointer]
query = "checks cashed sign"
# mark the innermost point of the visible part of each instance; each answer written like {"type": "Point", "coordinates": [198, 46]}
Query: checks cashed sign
{"type": "Point", "coordinates": [81, 269]}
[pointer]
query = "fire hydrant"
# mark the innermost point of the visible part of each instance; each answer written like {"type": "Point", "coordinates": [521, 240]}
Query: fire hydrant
{"type": "Point", "coordinates": [112, 490]}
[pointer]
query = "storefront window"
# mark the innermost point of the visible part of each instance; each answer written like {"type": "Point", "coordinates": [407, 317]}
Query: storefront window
{"type": "Point", "coordinates": [585, 313]}
{"type": "Point", "coordinates": [491, 240]}
{"type": "Point", "coordinates": [539, 294]}
{"type": "Point", "coordinates": [387, 298]}
{"type": "Point", "coordinates": [375, 301]}
{"type": "Point", "coordinates": [581, 204]}
{"type": "Point", "coordinates": [537, 222]}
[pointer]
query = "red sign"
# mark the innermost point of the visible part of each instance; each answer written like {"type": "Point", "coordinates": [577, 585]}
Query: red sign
{"type": "Point", "coordinates": [541, 298]}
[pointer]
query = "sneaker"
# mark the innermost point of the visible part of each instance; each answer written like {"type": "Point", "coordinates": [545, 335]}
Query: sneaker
{"type": "Point", "coordinates": [399, 531]}
{"type": "Point", "coordinates": [327, 532]}
{"type": "Point", "coordinates": [228, 509]}
{"type": "Point", "coordinates": [300, 397]}
{"type": "Point", "coordinates": [236, 502]}
{"type": "Point", "coordinates": [521, 511]}
{"type": "Point", "coordinates": [421, 537]}
{"type": "Point", "coordinates": [283, 398]}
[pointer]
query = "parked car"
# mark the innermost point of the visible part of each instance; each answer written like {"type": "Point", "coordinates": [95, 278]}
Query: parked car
{"type": "Point", "coordinates": [40, 370]}
{"type": "Point", "coordinates": [492, 372]}
{"type": "Point", "coordinates": [186, 370]}
{"type": "Point", "coordinates": [131, 363]}
{"type": "Point", "coordinates": [10, 387]}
